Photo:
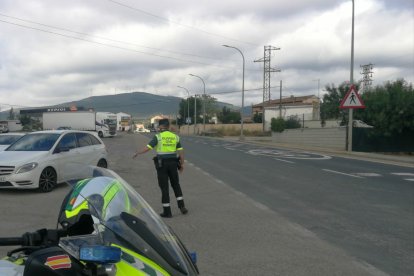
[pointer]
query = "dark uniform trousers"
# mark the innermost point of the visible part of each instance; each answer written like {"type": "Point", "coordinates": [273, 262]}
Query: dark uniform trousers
{"type": "Point", "coordinates": [169, 170]}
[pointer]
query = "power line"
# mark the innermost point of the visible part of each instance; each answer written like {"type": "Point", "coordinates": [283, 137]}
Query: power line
{"type": "Point", "coordinates": [178, 23]}
{"type": "Point", "coordinates": [104, 38]}
{"type": "Point", "coordinates": [108, 45]}
{"type": "Point", "coordinates": [237, 91]}
{"type": "Point", "coordinates": [114, 46]}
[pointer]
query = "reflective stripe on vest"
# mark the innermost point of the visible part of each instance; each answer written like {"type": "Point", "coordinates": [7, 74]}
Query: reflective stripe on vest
{"type": "Point", "coordinates": [167, 143]}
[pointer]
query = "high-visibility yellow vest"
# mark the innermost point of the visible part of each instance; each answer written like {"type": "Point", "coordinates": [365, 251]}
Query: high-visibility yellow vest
{"type": "Point", "coordinates": [167, 142]}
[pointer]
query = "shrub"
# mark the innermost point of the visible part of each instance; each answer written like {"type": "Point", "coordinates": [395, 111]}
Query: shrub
{"type": "Point", "coordinates": [292, 122]}
{"type": "Point", "coordinates": [277, 125]}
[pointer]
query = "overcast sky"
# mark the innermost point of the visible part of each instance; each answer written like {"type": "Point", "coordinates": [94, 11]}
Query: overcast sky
{"type": "Point", "coordinates": [55, 51]}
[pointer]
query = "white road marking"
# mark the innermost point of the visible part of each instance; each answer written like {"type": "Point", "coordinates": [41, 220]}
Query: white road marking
{"type": "Point", "coordinates": [283, 160]}
{"type": "Point", "coordinates": [347, 174]}
{"type": "Point", "coordinates": [403, 174]}
{"type": "Point", "coordinates": [288, 154]}
{"type": "Point", "coordinates": [368, 174]}
{"type": "Point", "coordinates": [409, 179]}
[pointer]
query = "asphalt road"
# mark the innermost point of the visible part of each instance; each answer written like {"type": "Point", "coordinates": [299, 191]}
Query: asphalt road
{"type": "Point", "coordinates": [360, 207]}
{"type": "Point", "coordinates": [262, 211]}
{"type": "Point", "coordinates": [364, 208]}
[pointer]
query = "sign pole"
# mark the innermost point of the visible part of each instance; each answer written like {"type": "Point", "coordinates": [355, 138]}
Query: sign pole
{"type": "Point", "coordinates": [350, 120]}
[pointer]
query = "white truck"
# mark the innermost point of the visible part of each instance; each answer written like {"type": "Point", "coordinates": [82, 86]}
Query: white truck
{"type": "Point", "coordinates": [104, 123]}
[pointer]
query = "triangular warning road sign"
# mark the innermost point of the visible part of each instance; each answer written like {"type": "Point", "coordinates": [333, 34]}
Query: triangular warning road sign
{"type": "Point", "coordinates": [352, 99]}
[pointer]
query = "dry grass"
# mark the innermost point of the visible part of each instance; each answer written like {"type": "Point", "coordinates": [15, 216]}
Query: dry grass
{"type": "Point", "coordinates": [220, 132]}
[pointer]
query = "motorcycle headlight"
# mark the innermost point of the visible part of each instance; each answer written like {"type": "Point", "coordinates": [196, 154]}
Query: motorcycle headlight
{"type": "Point", "coordinates": [27, 167]}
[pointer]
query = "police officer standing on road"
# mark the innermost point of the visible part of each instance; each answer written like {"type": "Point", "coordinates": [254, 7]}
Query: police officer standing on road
{"type": "Point", "coordinates": [167, 145]}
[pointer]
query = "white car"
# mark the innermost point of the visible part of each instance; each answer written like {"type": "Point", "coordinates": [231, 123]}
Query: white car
{"type": "Point", "coordinates": [42, 159]}
{"type": "Point", "coordinates": [359, 123]}
{"type": "Point", "coordinates": [142, 130]}
{"type": "Point", "coordinates": [6, 139]}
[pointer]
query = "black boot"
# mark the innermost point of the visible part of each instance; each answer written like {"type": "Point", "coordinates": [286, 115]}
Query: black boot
{"type": "Point", "coordinates": [166, 212]}
{"type": "Point", "coordinates": [183, 210]}
{"type": "Point", "coordinates": [181, 206]}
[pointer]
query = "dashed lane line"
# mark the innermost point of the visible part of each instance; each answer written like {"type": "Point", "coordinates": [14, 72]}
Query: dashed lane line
{"type": "Point", "coordinates": [286, 161]}
{"type": "Point", "coordinates": [347, 174]}
{"type": "Point", "coordinates": [368, 174]}
{"type": "Point", "coordinates": [403, 174]}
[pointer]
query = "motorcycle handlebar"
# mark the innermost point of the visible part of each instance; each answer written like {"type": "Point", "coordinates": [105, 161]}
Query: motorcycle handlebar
{"type": "Point", "coordinates": [11, 241]}
{"type": "Point", "coordinates": [35, 238]}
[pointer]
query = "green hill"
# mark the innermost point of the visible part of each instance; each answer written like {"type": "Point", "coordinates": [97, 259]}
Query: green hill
{"type": "Point", "coordinates": [137, 104]}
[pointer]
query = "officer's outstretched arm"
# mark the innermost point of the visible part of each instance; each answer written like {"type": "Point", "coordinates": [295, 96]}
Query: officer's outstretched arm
{"type": "Point", "coordinates": [142, 151]}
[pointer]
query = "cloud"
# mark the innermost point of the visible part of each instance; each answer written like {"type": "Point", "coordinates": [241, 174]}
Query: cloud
{"type": "Point", "coordinates": [99, 47]}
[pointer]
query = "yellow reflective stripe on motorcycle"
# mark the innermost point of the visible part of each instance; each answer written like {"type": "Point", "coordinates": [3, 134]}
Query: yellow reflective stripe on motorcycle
{"type": "Point", "coordinates": [141, 265]}
{"type": "Point", "coordinates": [16, 261]}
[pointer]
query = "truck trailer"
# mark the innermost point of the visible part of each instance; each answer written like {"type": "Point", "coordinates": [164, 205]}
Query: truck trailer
{"type": "Point", "coordinates": [101, 122]}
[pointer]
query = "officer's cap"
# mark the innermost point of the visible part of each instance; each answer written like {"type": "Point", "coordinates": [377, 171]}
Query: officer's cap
{"type": "Point", "coordinates": [164, 122]}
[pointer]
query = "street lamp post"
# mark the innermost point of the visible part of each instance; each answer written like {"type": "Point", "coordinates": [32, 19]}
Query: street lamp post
{"type": "Point", "coordinates": [242, 107]}
{"type": "Point", "coordinates": [195, 113]}
{"type": "Point", "coordinates": [188, 108]}
{"type": "Point", "coordinates": [350, 119]}
{"type": "Point", "coordinates": [204, 103]}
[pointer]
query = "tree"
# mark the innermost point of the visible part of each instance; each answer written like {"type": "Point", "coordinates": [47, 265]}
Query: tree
{"type": "Point", "coordinates": [389, 108]}
{"type": "Point", "coordinates": [331, 101]}
{"type": "Point", "coordinates": [25, 120]}
{"type": "Point", "coordinates": [195, 104]}
{"type": "Point", "coordinates": [11, 114]}
{"type": "Point", "coordinates": [29, 123]}
{"type": "Point", "coordinates": [227, 116]}
{"type": "Point", "coordinates": [210, 104]}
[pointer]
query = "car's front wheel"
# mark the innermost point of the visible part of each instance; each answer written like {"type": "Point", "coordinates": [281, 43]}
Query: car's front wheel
{"type": "Point", "coordinates": [47, 180]}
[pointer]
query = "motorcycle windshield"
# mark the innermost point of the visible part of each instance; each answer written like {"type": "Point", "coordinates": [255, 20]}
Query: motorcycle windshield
{"type": "Point", "coordinates": [125, 219]}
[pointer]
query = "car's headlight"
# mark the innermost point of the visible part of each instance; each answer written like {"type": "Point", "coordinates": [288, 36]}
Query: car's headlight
{"type": "Point", "coordinates": [27, 167]}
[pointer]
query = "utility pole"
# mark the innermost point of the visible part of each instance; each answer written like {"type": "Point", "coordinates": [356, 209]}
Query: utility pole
{"type": "Point", "coordinates": [267, 69]}
{"type": "Point", "coordinates": [280, 100]}
{"type": "Point", "coordinates": [367, 74]}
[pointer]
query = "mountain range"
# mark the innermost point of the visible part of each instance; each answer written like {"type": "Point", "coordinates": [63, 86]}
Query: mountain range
{"type": "Point", "coordinates": [137, 104]}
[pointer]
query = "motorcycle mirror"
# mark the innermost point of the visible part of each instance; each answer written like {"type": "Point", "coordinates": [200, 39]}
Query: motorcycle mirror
{"type": "Point", "coordinates": [100, 254]}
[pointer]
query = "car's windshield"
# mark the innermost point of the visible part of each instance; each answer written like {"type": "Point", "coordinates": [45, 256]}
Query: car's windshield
{"type": "Point", "coordinates": [110, 121]}
{"type": "Point", "coordinates": [9, 139]}
{"type": "Point", "coordinates": [35, 142]}
{"type": "Point", "coordinates": [126, 214]}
